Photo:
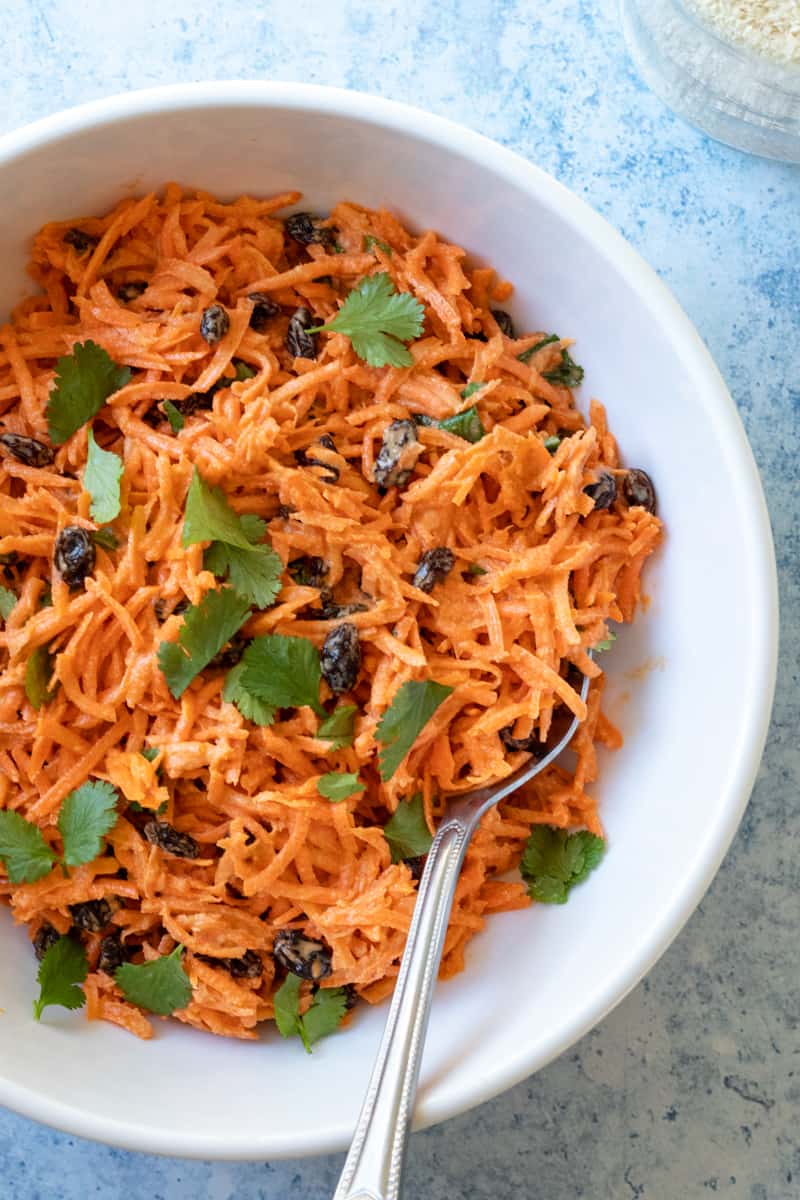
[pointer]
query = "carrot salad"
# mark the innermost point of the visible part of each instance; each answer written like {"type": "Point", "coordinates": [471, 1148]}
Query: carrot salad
{"type": "Point", "coordinates": [231, 540]}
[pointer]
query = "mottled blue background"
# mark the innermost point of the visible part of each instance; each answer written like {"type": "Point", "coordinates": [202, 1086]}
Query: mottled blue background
{"type": "Point", "coordinates": [691, 1087]}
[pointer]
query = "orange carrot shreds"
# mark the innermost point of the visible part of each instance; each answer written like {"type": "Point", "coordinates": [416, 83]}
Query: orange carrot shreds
{"type": "Point", "coordinates": [414, 513]}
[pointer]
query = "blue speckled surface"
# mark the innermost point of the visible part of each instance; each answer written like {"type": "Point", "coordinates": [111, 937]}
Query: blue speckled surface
{"type": "Point", "coordinates": [692, 1087]}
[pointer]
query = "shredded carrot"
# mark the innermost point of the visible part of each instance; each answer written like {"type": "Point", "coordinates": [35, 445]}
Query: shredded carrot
{"type": "Point", "coordinates": [539, 571]}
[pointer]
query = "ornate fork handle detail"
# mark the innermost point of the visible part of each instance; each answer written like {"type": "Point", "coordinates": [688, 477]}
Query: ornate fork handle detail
{"type": "Point", "coordinates": [373, 1167]}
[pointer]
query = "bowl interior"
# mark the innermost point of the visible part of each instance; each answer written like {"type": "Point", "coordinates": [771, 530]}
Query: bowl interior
{"type": "Point", "coordinates": [704, 648]}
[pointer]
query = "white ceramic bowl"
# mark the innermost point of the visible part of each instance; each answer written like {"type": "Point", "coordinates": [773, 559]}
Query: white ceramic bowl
{"type": "Point", "coordinates": [695, 722]}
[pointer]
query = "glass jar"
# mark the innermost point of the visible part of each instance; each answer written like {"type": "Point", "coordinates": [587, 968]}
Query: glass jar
{"type": "Point", "coordinates": [746, 99]}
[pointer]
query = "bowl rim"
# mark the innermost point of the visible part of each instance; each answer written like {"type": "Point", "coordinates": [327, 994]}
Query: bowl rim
{"type": "Point", "coordinates": [757, 689]}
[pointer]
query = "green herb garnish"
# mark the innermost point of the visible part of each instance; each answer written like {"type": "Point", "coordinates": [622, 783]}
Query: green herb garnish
{"type": "Point", "coordinates": [339, 727]}
{"type": "Point", "coordinates": [566, 374]}
{"type": "Point", "coordinates": [476, 569]}
{"type": "Point", "coordinates": [606, 643]}
{"type": "Point", "coordinates": [61, 972]}
{"type": "Point", "coordinates": [405, 718]}
{"type": "Point", "coordinates": [466, 424]}
{"type": "Point", "coordinates": [243, 370]}
{"type": "Point", "coordinates": [101, 479]}
{"type": "Point", "coordinates": [322, 1018]}
{"type": "Point", "coordinates": [370, 240]}
{"type": "Point", "coordinates": [407, 830]}
{"type": "Point", "coordinates": [84, 381]}
{"type": "Point", "coordinates": [87, 814]}
{"type": "Point", "coordinates": [338, 785]}
{"type": "Point", "coordinates": [251, 708]}
{"type": "Point", "coordinates": [378, 320]}
{"type": "Point", "coordinates": [8, 602]}
{"type": "Point", "coordinates": [174, 415]}
{"type": "Point", "coordinates": [552, 443]}
{"type": "Point", "coordinates": [160, 986]}
{"type": "Point", "coordinates": [554, 861]}
{"type": "Point", "coordinates": [528, 354]}
{"type": "Point", "coordinates": [283, 672]}
{"type": "Point", "coordinates": [38, 675]}
{"type": "Point", "coordinates": [105, 538]}
{"type": "Point", "coordinates": [470, 390]}
{"type": "Point", "coordinates": [206, 628]}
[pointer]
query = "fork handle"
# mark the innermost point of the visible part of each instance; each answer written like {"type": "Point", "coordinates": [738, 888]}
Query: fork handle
{"type": "Point", "coordinates": [373, 1167]}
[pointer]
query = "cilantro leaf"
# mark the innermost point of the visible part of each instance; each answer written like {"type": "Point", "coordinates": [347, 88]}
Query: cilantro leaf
{"type": "Point", "coordinates": [251, 708]}
{"type": "Point", "coordinates": [61, 972]}
{"type": "Point", "coordinates": [101, 477]}
{"type": "Point", "coordinates": [407, 830]}
{"type": "Point", "coordinates": [105, 538]}
{"type": "Point", "coordinates": [254, 573]}
{"type": "Point", "coordinates": [466, 424]}
{"type": "Point", "coordinates": [338, 785]}
{"type": "Point", "coordinates": [253, 570]}
{"type": "Point", "coordinates": [151, 753]}
{"type": "Point", "coordinates": [86, 816]}
{"type": "Point", "coordinates": [84, 381]}
{"type": "Point", "coordinates": [566, 374]}
{"type": "Point", "coordinates": [339, 726]}
{"type": "Point", "coordinates": [283, 671]}
{"type": "Point", "coordinates": [377, 319]}
{"type": "Point", "coordinates": [38, 674]}
{"type": "Point", "coordinates": [528, 354]}
{"type": "Point", "coordinates": [23, 849]}
{"type": "Point", "coordinates": [471, 389]}
{"type": "Point", "coordinates": [325, 1014]}
{"type": "Point", "coordinates": [554, 861]}
{"type": "Point", "coordinates": [370, 240]}
{"type": "Point", "coordinates": [552, 443]}
{"type": "Point", "coordinates": [323, 1017]}
{"type": "Point", "coordinates": [174, 415]}
{"type": "Point", "coordinates": [161, 986]}
{"type": "Point", "coordinates": [7, 603]}
{"type": "Point", "coordinates": [405, 718]}
{"type": "Point", "coordinates": [206, 628]}
{"type": "Point", "coordinates": [243, 370]}
{"type": "Point", "coordinates": [476, 569]}
{"type": "Point", "coordinates": [606, 643]}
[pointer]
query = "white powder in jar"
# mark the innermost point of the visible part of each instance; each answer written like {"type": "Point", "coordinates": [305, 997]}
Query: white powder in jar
{"type": "Point", "coordinates": [768, 27]}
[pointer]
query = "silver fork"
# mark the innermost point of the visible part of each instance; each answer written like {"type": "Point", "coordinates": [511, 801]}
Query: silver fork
{"type": "Point", "coordinates": [374, 1165]}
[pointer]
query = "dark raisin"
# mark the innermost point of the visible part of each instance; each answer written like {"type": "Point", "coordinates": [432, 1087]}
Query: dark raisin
{"type": "Point", "coordinates": [341, 658]}
{"type": "Point", "coordinates": [113, 953]}
{"type": "Point", "coordinates": [264, 308]}
{"type": "Point", "coordinates": [249, 966]}
{"type": "Point", "coordinates": [477, 337]}
{"type": "Point", "coordinates": [299, 343]}
{"type": "Point", "coordinates": [92, 915]}
{"type": "Point", "coordinates": [416, 866]}
{"type": "Point", "coordinates": [603, 491]}
{"type": "Point", "coordinates": [397, 438]}
{"type": "Point", "coordinates": [46, 936]}
{"type": "Point", "coordinates": [302, 955]}
{"type": "Point", "coordinates": [27, 450]}
{"type": "Point", "coordinates": [165, 608]}
{"type": "Point", "coordinates": [131, 291]}
{"type": "Point", "coordinates": [153, 416]}
{"type": "Point", "coordinates": [284, 512]}
{"type": "Point", "coordinates": [74, 555]}
{"type": "Point", "coordinates": [308, 572]}
{"type": "Point", "coordinates": [305, 459]}
{"type": "Point", "coordinates": [331, 611]}
{"type": "Point", "coordinates": [531, 744]}
{"type": "Point", "coordinates": [637, 488]}
{"type": "Point", "coordinates": [504, 321]}
{"type": "Point", "coordinates": [166, 837]}
{"type": "Point", "coordinates": [229, 655]}
{"type": "Point", "coordinates": [434, 566]}
{"type": "Point", "coordinates": [351, 997]}
{"type": "Point", "coordinates": [214, 324]}
{"type": "Point", "coordinates": [306, 229]}
{"type": "Point", "coordinates": [80, 240]}
{"type": "Point", "coordinates": [12, 559]}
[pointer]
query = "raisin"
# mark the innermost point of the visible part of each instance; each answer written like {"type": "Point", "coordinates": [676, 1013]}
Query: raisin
{"type": "Point", "coordinates": [397, 439]}
{"type": "Point", "coordinates": [112, 953]}
{"type": "Point", "coordinates": [214, 324]}
{"type": "Point", "coordinates": [80, 240]}
{"type": "Point", "coordinates": [46, 936]}
{"type": "Point", "coordinates": [27, 449]}
{"type": "Point", "coordinates": [264, 308]}
{"type": "Point", "coordinates": [305, 460]}
{"type": "Point", "coordinates": [306, 229]}
{"type": "Point", "coordinates": [531, 744]}
{"type": "Point", "coordinates": [434, 566]}
{"type": "Point", "coordinates": [229, 655]}
{"type": "Point", "coordinates": [301, 955]}
{"type": "Point", "coordinates": [167, 838]}
{"type": "Point", "coordinates": [341, 658]}
{"type": "Point", "coordinates": [131, 291]}
{"type": "Point", "coordinates": [74, 555]}
{"type": "Point", "coordinates": [504, 321]}
{"type": "Point", "coordinates": [92, 915]}
{"type": "Point", "coordinates": [308, 572]}
{"type": "Point", "coordinates": [299, 343]}
{"type": "Point", "coordinates": [637, 488]}
{"type": "Point", "coordinates": [351, 997]}
{"type": "Point", "coordinates": [162, 609]}
{"type": "Point", "coordinates": [603, 491]}
{"type": "Point", "coordinates": [416, 866]}
{"type": "Point", "coordinates": [249, 966]}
